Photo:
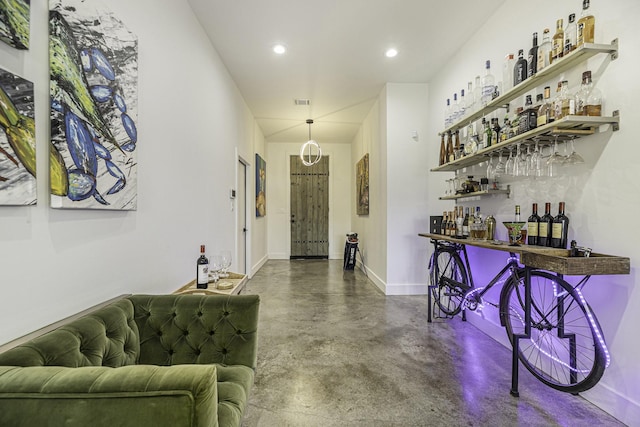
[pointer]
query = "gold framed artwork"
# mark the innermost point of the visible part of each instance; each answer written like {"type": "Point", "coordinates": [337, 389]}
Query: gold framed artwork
{"type": "Point", "coordinates": [362, 185]}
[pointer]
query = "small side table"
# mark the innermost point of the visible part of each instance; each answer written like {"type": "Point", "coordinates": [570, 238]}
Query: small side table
{"type": "Point", "coordinates": [237, 280]}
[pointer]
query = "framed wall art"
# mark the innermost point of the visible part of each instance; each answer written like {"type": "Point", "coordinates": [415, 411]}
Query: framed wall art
{"type": "Point", "coordinates": [93, 86]}
{"type": "Point", "coordinates": [362, 183]}
{"type": "Point", "coordinates": [14, 22]}
{"type": "Point", "coordinates": [17, 141]}
{"type": "Point", "coordinates": [261, 191]}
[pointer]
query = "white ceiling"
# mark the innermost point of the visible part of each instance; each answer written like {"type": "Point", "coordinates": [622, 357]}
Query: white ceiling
{"type": "Point", "coordinates": [335, 55]}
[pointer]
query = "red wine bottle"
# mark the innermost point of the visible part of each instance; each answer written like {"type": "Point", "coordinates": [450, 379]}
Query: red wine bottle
{"type": "Point", "coordinates": [560, 229]}
{"type": "Point", "coordinates": [544, 231]}
{"type": "Point", "coordinates": [202, 272]}
{"type": "Point", "coordinates": [533, 225]}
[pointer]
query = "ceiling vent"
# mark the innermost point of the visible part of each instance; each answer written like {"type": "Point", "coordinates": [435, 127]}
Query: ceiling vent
{"type": "Point", "coordinates": [302, 101]}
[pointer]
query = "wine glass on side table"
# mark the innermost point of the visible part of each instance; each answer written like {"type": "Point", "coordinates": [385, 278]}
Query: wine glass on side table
{"type": "Point", "coordinates": [226, 263]}
{"type": "Point", "coordinates": [215, 265]}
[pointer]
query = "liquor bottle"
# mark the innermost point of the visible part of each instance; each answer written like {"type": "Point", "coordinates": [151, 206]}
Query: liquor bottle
{"type": "Point", "coordinates": [544, 232]}
{"type": "Point", "coordinates": [532, 59]}
{"type": "Point", "coordinates": [520, 69]}
{"type": "Point", "coordinates": [570, 35]}
{"type": "Point", "coordinates": [528, 117]}
{"type": "Point", "coordinates": [455, 109]}
{"type": "Point", "coordinates": [533, 224]}
{"type": "Point", "coordinates": [586, 26]}
{"type": "Point", "coordinates": [468, 99]}
{"type": "Point", "coordinates": [456, 146]}
{"type": "Point", "coordinates": [459, 222]}
{"type": "Point", "coordinates": [443, 224]}
{"type": "Point", "coordinates": [588, 98]}
{"type": "Point", "coordinates": [495, 131]}
{"type": "Point", "coordinates": [487, 133]}
{"type": "Point", "coordinates": [507, 72]}
{"type": "Point", "coordinates": [477, 94]}
{"type": "Point", "coordinates": [450, 153]}
{"type": "Point", "coordinates": [504, 130]}
{"type": "Point", "coordinates": [545, 112]}
{"type": "Point", "coordinates": [557, 42]}
{"type": "Point", "coordinates": [465, 224]}
{"type": "Point", "coordinates": [544, 51]}
{"type": "Point", "coordinates": [443, 151]}
{"type": "Point", "coordinates": [447, 114]}
{"type": "Point", "coordinates": [560, 229]}
{"type": "Point", "coordinates": [202, 270]}
{"type": "Point", "coordinates": [566, 101]}
{"type": "Point", "coordinates": [462, 106]}
{"type": "Point", "coordinates": [451, 225]}
{"type": "Point", "coordinates": [488, 85]}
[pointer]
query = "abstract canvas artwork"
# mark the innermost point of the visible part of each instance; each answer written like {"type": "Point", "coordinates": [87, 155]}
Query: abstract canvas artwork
{"type": "Point", "coordinates": [362, 182]}
{"type": "Point", "coordinates": [261, 180]}
{"type": "Point", "coordinates": [17, 141]}
{"type": "Point", "coordinates": [14, 22]}
{"type": "Point", "coordinates": [93, 85]}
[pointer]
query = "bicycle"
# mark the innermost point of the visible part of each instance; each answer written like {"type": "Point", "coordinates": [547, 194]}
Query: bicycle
{"type": "Point", "coordinates": [564, 347]}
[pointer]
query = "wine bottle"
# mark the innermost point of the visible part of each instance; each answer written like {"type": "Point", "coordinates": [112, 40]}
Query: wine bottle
{"type": "Point", "coordinates": [459, 221]}
{"type": "Point", "coordinates": [517, 217]}
{"type": "Point", "coordinates": [586, 26]}
{"type": "Point", "coordinates": [443, 224]}
{"type": "Point", "coordinates": [557, 43]}
{"type": "Point", "coordinates": [560, 229]}
{"type": "Point", "coordinates": [520, 69]}
{"type": "Point", "coordinates": [532, 59]}
{"type": "Point", "coordinates": [443, 151]}
{"type": "Point", "coordinates": [202, 272]}
{"type": "Point", "coordinates": [544, 231]}
{"type": "Point", "coordinates": [533, 225]}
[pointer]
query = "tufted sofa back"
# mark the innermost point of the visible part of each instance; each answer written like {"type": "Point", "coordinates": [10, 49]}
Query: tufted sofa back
{"type": "Point", "coordinates": [192, 329]}
{"type": "Point", "coordinates": [106, 337]}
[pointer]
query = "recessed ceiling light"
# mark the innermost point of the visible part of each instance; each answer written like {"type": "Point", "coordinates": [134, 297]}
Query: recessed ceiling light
{"type": "Point", "coordinates": [279, 49]}
{"type": "Point", "coordinates": [391, 53]}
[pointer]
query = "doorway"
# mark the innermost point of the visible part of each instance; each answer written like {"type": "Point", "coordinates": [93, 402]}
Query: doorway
{"type": "Point", "coordinates": [241, 212]}
{"type": "Point", "coordinates": [309, 209]}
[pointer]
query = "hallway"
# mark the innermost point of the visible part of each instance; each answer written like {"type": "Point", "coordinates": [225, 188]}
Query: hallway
{"type": "Point", "coordinates": [334, 351]}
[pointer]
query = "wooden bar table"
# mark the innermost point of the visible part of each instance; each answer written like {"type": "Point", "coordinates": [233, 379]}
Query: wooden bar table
{"type": "Point", "coordinates": [233, 285]}
{"type": "Point", "coordinates": [537, 258]}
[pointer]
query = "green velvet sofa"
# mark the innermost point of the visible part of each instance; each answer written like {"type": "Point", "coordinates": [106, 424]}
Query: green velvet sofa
{"type": "Point", "coordinates": [143, 360]}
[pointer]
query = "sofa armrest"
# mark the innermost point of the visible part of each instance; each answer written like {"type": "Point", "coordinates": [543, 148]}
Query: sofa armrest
{"type": "Point", "coordinates": [136, 395]}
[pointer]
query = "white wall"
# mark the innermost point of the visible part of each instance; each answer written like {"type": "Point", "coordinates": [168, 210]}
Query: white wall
{"type": "Point", "coordinates": [602, 195]}
{"type": "Point", "coordinates": [394, 254]}
{"type": "Point", "coordinates": [372, 228]}
{"type": "Point", "coordinates": [278, 196]}
{"type": "Point", "coordinates": [191, 121]}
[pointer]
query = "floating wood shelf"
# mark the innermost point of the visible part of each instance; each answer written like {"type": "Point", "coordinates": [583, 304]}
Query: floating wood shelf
{"type": "Point", "coordinates": [476, 193]}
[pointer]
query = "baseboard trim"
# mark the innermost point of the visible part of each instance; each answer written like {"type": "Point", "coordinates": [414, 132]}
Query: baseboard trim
{"type": "Point", "coordinates": [259, 265]}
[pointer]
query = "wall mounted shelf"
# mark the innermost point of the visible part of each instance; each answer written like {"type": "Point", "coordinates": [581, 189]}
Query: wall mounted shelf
{"type": "Point", "coordinates": [477, 193]}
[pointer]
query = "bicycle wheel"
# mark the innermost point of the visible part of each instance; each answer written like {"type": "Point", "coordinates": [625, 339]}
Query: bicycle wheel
{"type": "Point", "coordinates": [451, 283]}
{"type": "Point", "coordinates": [566, 350]}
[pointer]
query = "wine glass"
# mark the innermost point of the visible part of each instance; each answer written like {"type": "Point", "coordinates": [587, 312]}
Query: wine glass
{"type": "Point", "coordinates": [215, 265]}
{"type": "Point", "coordinates": [555, 159]}
{"type": "Point", "coordinates": [225, 257]}
{"type": "Point", "coordinates": [490, 167]}
{"type": "Point", "coordinates": [500, 167]}
{"type": "Point", "coordinates": [574, 158]}
{"type": "Point", "coordinates": [535, 162]}
{"type": "Point", "coordinates": [510, 163]}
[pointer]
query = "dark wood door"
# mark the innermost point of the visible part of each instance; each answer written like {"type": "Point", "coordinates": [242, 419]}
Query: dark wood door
{"type": "Point", "coordinates": [309, 209]}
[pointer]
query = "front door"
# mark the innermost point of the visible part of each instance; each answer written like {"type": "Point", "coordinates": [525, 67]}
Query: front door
{"type": "Point", "coordinates": [309, 209]}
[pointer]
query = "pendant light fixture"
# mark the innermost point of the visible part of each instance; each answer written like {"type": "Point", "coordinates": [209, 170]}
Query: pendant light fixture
{"type": "Point", "coordinates": [308, 154]}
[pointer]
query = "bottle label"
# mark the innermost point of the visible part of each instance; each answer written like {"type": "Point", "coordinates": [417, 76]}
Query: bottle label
{"type": "Point", "coordinates": [532, 229]}
{"type": "Point", "coordinates": [203, 274]}
{"type": "Point", "coordinates": [543, 230]}
{"type": "Point", "coordinates": [556, 230]}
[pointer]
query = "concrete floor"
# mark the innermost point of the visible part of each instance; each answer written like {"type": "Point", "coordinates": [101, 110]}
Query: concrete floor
{"type": "Point", "coordinates": [334, 351]}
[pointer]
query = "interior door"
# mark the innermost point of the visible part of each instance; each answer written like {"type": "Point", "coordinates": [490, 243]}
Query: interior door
{"type": "Point", "coordinates": [309, 209]}
{"type": "Point", "coordinates": [241, 206]}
